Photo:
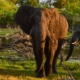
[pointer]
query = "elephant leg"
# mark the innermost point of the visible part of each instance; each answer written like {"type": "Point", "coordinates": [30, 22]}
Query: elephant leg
{"type": "Point", "coordinates": [40, 69]}
{"type": "Point", "coordinates": [49, 52]}
{"type": "Point", "coordinates": [56, 56]}
{"type": "Point", "coordinates": [35, 53]}
{"type": "Point", "coordinates": [39, 56]}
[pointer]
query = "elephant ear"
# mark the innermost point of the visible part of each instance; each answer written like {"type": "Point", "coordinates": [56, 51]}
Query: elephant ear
{"type": "Point", "coordinates": [22, 18]}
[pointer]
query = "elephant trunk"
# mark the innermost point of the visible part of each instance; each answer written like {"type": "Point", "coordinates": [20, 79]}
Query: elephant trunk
{"type": "Point", "coordinates": [74, 39]}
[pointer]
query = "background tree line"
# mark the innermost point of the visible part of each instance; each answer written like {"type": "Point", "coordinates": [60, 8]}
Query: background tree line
{"type": "Point", "coordinates": [69, 8]}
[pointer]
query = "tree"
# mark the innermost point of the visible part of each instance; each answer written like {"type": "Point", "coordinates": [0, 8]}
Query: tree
{"type": "Point", "coordinates": [32, 2]}
{"type": "Point", "coordinates": [7, 11]}
{"type": "Point", "coordinates": [14, 1]}
{"type": "Point", "coordinates": [59, 3]}
{"type": "Point", "coordinates": [72, 12]}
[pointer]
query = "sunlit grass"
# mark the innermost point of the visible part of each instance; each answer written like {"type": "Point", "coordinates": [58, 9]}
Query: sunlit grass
{"type": "Point", "coordinates": [26, 71]}
{"type": "Point", "coordinates": [5, 31]}
{"type": "Point", "coordinates": [8, 31]}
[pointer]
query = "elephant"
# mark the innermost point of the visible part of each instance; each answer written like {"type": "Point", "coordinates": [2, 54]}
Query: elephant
{"type": "Point", "coordinates": [48, 28]}
{"type": "Point", "coordinates": [75, 38]}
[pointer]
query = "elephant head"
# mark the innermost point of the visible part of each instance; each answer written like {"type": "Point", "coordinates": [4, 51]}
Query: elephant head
{"type": "Point", "coordinates": [22, 18]}
{"type": "Point", "coordinates": [74, 39]}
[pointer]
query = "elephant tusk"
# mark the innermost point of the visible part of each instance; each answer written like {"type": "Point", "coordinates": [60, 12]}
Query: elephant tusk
{"type": "Point", "coordinates": [51, 40]}
{"type": "Point", "coordinates": [75, 42]}
{"type": "Point", "coordinates": [48, 33]}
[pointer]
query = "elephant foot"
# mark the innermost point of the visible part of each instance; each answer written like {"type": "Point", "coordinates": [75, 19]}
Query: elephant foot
{"type": "Point", "coordinates": [39, 75]}
{"type": "Point", "coordinates": [48, 72]}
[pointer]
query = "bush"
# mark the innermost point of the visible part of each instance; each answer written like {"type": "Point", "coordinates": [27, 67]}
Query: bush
{"type": "Point", "coordinates": [7, 12]}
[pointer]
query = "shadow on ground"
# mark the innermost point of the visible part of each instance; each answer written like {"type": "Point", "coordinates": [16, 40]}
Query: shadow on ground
{"type": "Point", "coordinates": [12, 72]}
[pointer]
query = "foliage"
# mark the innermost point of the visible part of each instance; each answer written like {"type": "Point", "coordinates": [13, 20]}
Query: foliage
{"type": "Point", "coordinates": [32, 3]}
{"type": "Point", "coordinates": [14, 1]}
{"type": "Point", "coordinates": [7, 11]}
{"type": "Point", "coordinates": [59, 3]}
{"type": "Point", "coordinates": [71, 10]}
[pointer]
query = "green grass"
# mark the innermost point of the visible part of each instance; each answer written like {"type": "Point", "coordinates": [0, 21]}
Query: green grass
{"type": "Point", "coordinates": [8, 31]}
{"type": "Point", "coordinates": [76, 51]}
{"type": "Point", "coordinates": [26, 70]}
{"type": "Point", "coordinates": [5, 31]}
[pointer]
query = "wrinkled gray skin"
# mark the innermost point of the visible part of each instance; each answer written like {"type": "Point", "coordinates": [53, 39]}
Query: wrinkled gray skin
{"type": "Point", "coordinates": [46, 38]}
{"type": "Point", "coordinates": [74, 39]}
